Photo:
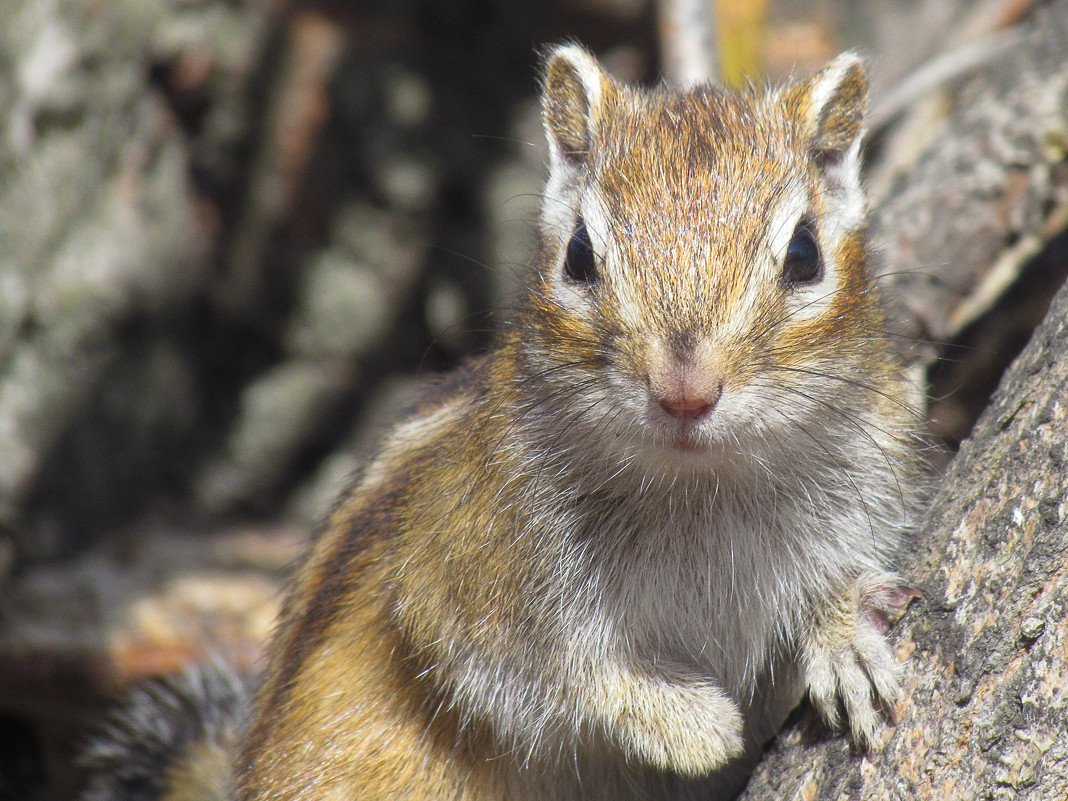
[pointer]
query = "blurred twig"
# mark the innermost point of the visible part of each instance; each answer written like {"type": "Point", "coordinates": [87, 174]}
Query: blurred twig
{"type": "Point", "coordinates": [295, 113]}
{"type": "Point", "coordinates": [939, 71]}
{"type": "Point", "coordinates": [918, 104]}
{"type": "Point", "coordinates": [687, 41]}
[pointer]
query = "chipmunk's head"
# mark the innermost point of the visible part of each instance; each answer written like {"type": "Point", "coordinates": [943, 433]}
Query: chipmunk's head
{"type": "Point", "coordinates": [701, 272]}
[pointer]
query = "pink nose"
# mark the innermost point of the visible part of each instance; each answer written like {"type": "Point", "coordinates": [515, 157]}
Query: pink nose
{"type": "Point", "coordinates": [688, 408]}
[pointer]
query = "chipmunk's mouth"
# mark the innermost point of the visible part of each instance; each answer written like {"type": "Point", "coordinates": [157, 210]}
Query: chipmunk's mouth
{"type": "Point", "coordinates": [682, 436]}
{"type": "Point", "coordinates": [688, 443]}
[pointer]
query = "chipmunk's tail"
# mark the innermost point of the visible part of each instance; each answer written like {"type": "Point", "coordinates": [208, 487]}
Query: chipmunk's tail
{"type": "Point", "coordinates": [172, 739]}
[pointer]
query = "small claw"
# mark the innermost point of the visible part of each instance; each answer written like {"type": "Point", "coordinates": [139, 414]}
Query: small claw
{"type": "Point", "coordinates": [856, 695]}
{"type": "Point", "coordinates": [878, 620]}
{"type": "Point", "coordinates": [823, 691]}
{"type": "Point", "coordinates": [848, 662]}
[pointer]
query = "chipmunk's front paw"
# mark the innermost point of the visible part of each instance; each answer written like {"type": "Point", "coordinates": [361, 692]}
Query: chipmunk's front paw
{"type": "Point", "coordinates": [846, 658]}
{"type": "Point", "coordinates": [691, 728]}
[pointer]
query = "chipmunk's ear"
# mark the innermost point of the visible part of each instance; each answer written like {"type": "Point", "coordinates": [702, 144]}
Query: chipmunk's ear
{"type": "Point", "coordinates": [574, 87]}
{"type": "Point", "coordinates": [830, 107]}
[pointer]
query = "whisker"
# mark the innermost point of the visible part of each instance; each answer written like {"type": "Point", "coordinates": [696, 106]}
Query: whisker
{"type": "Point", "coordinates": [856, 423]}
{"type": "Point", "coordinates": [916, 416]}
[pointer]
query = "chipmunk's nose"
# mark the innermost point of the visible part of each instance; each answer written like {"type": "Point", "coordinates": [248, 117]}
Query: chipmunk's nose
{"type": "Point", "coordinates": [691, 407]}
{"type": "Point", "coordinates": [686, 386]}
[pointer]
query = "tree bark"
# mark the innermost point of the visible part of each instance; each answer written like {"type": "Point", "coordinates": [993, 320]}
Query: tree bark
{"type": "Point", "coordinates": [104, 234]}
{"type": "Point", "coordinates": [970, 186]}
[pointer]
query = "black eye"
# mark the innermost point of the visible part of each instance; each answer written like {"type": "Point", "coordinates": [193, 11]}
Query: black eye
{"type": "Point", "coordinates": [803, 262]}
{"type": "Point", "coordinates": [579, 262]}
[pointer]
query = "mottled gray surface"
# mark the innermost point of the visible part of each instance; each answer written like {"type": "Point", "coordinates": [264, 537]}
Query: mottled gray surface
{"type": "Point", "coordinates": [99, 228]}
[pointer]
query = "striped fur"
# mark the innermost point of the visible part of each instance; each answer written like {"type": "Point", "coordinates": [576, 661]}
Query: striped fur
{"type": "Point", "coordinates": [547, 587]}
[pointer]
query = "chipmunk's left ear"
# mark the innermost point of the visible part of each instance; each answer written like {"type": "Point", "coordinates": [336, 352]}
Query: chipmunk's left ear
{"type": "Point", "coordinates": [575, 88]}
{"type": "Point", "coordinates": [830, 107]}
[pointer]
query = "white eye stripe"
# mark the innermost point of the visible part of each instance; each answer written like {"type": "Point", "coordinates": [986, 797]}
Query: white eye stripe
{"type": "Point", "coordinates": [810, 300]}
{"type": "Point", "coordinates": [557, 212]}
{"type": "Point", "coordinates": [598, 225]}
{"type": "Point", "coordinates": [596, 219]}
{"type": "Point", "coordinates": [790, 210]}
{"type": "Point", "coordinates": [842, 214]}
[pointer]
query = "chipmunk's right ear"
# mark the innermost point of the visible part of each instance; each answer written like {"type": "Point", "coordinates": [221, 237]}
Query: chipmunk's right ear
{"type": "Point", "coordinates": [574, 86]}
{"type": "Point", "coordinates": [830, 108]}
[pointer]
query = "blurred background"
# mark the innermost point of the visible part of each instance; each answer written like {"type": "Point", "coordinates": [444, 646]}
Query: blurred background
{"type": "Point", "coordinates": [233, 233]}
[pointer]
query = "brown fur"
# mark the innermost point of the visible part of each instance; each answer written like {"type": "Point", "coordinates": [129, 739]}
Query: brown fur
{"type": "Point", "coordinates": [448, 585]}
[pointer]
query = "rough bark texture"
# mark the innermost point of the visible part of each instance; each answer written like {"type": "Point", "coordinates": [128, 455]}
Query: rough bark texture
{"type": "Point", "coordinates": [102, 240]}
{"type": "Point", "coordinates": [969, 190]}
{"type": "Point", "coordinates": [985, 706]}
{"type": "Point", "coordinates": [972, 184]}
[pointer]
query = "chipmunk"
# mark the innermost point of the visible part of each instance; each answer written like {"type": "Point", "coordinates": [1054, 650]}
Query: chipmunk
{"type": "Point", "coordinates": [604, 560]}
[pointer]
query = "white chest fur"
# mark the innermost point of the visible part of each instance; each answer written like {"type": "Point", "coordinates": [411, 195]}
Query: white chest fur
{"type": "Point", "coordinates": [715, 572]}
